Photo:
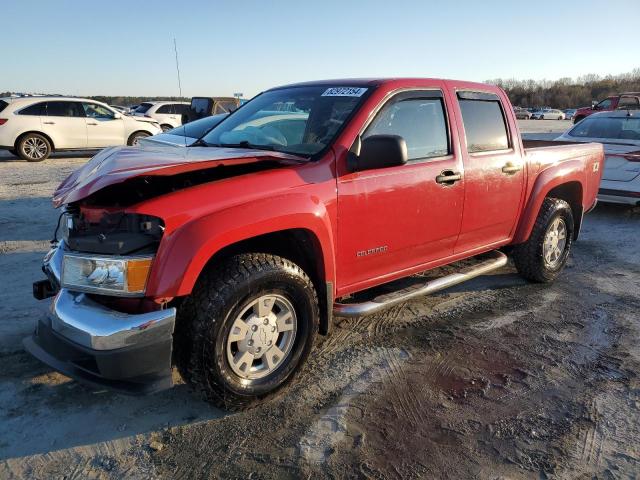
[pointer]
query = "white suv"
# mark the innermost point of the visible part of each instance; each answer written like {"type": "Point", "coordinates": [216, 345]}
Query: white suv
{"type": "Point", "coordinates": [33, 127]}
{"type": "Point", "coordinates": [167, 114]}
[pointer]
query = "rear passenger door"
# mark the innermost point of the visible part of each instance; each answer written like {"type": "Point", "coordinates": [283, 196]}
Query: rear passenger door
{"type": "Point", "coordinates": [494, 173]}
{"type": "Point", "coordinates": [397, 218]}
{"type": "Point", "coordinates": [64, 123]}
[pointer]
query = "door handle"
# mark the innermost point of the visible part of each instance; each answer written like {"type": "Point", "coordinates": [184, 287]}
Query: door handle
{"type": "Point", "coordinates": [448, 177]}
{"type": "Point", "coordinates": [49, 123]}
{"type": "Point", "coordinates": [510, 168]}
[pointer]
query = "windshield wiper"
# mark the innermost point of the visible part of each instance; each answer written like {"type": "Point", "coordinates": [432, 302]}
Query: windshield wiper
{"type": "Point", "coordinates": [246, 144]}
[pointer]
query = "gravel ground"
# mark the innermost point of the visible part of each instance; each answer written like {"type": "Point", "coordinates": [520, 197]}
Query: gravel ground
{"type": "Point", "coordinates": [496, 378]}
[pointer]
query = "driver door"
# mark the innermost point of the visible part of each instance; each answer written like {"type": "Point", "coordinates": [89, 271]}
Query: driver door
{"type": "Point", "coordinates": [103, 128]}
{"type": "Point", "coordinates": [398, 218]}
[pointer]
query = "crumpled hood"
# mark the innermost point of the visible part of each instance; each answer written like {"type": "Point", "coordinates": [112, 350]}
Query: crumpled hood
{"type": "Point", "coordinates": [117, 164]}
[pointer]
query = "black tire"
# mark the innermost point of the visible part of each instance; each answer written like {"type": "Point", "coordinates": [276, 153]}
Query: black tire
{"type": "Point", "coordinates": [135, 136]}
{"type": "Point", "coordinates": [207, 316]}
{"type": "Point", "coordinates": [528, 257]}
{"type": "Point", "coordinates": [559, 118]}
{"type": "Point", "coordinates": [27, 150]}
{"type": "Point", "coordinates": [165, 127]}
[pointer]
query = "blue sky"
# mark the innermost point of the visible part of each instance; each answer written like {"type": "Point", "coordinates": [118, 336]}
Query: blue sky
{"type": "Point", "coordinates": [126, 47]}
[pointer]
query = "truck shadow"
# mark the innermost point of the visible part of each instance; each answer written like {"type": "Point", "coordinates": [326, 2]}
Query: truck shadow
{"type": "Point", "coordinates": [44, 411]}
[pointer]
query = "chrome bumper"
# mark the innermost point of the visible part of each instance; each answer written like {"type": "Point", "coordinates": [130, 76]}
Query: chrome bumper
{"type": "Point", "coordinates": [85, 322]}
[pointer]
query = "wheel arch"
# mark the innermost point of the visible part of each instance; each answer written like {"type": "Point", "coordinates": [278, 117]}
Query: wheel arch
{"type": "Point", "coordinates": [49, 139]}
{"type": "Point", "coordinates": [299, 245]}
{"type": "Point", "coordinates": [564, 184]}
{"type": "Point", "coordinates": [137, 131]}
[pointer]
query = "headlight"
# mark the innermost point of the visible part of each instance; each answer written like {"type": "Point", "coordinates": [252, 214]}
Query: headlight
{"type": "Point", "coordinates": [106, 275]}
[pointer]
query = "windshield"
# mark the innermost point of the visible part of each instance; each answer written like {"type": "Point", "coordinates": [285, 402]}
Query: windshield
{"type": "Point", "coordinates": [198, 128]}
{"type": "Point", "coordinates": [297, 120]}
{"type": "Point", "coordinates": [617, 128]}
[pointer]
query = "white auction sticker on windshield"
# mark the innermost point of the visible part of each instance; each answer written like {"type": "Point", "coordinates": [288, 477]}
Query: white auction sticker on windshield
{"type": "Point", "coordinates": [344, 92]}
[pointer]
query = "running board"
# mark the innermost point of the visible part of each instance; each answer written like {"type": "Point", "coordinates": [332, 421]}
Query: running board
{"type": "Point", "coordinates": [487, 263]}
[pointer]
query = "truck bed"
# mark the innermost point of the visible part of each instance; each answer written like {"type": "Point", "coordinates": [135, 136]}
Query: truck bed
{"type": "Point", "coordinates": [544, 153]}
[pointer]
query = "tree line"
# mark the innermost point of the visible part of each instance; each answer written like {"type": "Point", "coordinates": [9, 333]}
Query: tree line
{"type": "Point", "coordinates": [568, 92]}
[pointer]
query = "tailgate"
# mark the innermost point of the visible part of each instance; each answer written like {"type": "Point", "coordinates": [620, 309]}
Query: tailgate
{"type": "Point", "coordinates": [621, 167]}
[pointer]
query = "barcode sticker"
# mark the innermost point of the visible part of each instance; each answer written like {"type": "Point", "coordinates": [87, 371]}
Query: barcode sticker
{"type": "Point", "coordinates": [344, 92]}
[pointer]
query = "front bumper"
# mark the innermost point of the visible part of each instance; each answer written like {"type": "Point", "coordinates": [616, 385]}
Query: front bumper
{"type": "Point", "coordinates": [100, 346]}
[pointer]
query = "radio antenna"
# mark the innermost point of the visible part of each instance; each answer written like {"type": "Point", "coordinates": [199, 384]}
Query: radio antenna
{"type": "Point", "coordinates": [175, 48]}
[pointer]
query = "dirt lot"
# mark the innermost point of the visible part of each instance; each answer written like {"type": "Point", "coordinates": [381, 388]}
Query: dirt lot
{"type": "Point", "coordinates": [497, 378]}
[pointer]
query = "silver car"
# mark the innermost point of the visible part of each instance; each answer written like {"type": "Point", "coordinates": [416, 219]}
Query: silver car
{"type": "Point", "coordinates": [548, 114]}
{"type": "Point", "coordinates": [619, 132]}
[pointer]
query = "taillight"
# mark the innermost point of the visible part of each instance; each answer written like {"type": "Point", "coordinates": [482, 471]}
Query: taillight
{"type": "Point", "coordinates": [3, 121]}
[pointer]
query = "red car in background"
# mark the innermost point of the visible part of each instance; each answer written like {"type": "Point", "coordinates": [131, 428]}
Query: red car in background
{"type": "Point", "coordinates": [630, 100]}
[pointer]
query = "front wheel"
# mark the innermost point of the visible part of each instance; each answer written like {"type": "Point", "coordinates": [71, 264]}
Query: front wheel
{"type": "Point", "coordinates": [135, 138]}
{"type": "Point", "coordinates": [248, 326]}
{"type": "Point", "coordinates": [543, 256]}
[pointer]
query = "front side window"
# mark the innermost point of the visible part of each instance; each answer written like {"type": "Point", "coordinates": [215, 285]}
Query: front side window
{"type": "Point", "coordinates": [64, 109]}
{"type": "Point", "coordinates": [484, 123]}
{"type": "Point", "coordinates": [35, 109]}
{"type": "Point", "coordinates": [316, 116]}
{"type": "Point", "coordinates": [419, 119]}
{"type": "Point", "coordinates": [603, 105]}
{"type": "Point", "coordinates": [93, 110]}
{"type": "Point", "coordinates": [616, 128]}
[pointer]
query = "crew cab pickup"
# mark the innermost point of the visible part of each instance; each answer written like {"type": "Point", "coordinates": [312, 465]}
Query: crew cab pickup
{"type": "Point", "coordinates": [226, 258]}
{"type": "Point", "coordinates": [624, 101]}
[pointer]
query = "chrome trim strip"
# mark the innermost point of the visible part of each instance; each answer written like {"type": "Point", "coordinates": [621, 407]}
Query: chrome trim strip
{"type": "Point", "coordinates": [496, 260]}
{"type": "Point", "coordinates": [76, 317]}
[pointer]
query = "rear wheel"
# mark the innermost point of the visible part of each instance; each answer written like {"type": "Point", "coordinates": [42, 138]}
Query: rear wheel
{"type": "Point", "coordinates": [253, 322]}
{"type": "Point", "coordinates": [135, 137]}
{"type": "Point", "coordinates": [559, 118]}
{"type": "Point", "coordinates": [543, 256]}
{"type": "Point", "coordinates": [33, 147]}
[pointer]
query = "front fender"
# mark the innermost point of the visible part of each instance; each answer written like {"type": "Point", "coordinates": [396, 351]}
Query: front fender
{"type": "Point", "coordinates": [552, 177]}
{"type": "Point", "coordinates": [185, 251]}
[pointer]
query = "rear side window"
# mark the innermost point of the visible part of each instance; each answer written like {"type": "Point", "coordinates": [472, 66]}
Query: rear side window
{"type": "Point", "coordinates": [35, 109]}
{"type": "Point", "coordinates": [143, 107]}
{"type": "Point", "coordinates": [617, 128]}
{"type": "Point", "coordinates": [484, 122]}
{"type": "Point", "coordinates": [64, 109]}
{"type": "Point", "coordinates": [632, 103]}
{"type": "Point", "coordinates": [3, 105]}
{"type": "Point", "coordinates": [419, 118]}
{"type": "Point", "coordinates": [165, 109]}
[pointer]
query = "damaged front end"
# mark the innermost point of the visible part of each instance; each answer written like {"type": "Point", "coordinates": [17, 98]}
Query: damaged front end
{"type": "Point", "coordinates": [100, 329]}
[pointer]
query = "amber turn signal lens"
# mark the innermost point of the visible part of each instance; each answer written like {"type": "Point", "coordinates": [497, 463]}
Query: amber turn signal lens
{"type": "Point", "coordinates": [137, 274]}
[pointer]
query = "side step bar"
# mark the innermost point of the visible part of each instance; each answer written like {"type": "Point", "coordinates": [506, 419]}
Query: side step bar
{"type": "Point", "coordinates": [488, 262]}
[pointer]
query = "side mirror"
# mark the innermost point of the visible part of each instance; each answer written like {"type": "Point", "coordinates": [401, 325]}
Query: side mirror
{"type": "Point", "coordinates": [117, 115]}
{"type": "Point", "coordinates": [378, 151]}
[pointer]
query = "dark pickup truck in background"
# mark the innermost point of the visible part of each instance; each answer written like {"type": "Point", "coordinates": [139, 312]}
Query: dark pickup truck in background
{"type": "Point", "coordinates": [227, 257]}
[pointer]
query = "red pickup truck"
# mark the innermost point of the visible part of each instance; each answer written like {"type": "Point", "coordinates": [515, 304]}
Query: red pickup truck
{"type": "Point", "coordinates": [630, 100]}
{"type": "Point", "coordinates": [227, 257]}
